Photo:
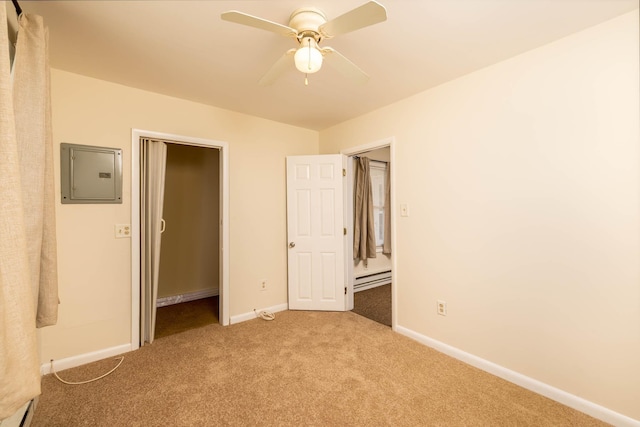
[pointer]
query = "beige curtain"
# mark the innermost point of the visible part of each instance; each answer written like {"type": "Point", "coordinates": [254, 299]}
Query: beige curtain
{"type": "Point", "coordinates": [28, 274]}
{"type": "Point", "coordinates": [153, 169]}
{"type": "Point", "coordinates": [364, 239]}
{"type": "Point", "coordinates": [386, 245]}
{"type": "Point", "coordinates": [35, 150]}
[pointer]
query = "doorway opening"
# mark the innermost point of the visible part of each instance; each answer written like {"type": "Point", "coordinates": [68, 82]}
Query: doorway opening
{"type": "Point", "coordinates": [188, 280]}
{"type": "Point", "coordinates": [371, 281]}
{"type": "Point", "coordinates": [195, 281]}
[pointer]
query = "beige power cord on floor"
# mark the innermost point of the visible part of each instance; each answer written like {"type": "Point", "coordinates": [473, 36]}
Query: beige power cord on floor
{"type": "Point", "coordinates": [55, 374]}
{"type": "Point", "coordinates": [265, 315]}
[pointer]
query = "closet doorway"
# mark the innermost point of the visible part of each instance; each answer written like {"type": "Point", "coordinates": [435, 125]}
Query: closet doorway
{"type": "Point", "coordinates": [192, 265]}
{"type": "Point", "coordinates": [188, 280]}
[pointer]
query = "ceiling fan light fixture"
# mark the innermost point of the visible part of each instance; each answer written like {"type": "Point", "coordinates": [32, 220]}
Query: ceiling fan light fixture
{"type": "Point", "coordinates": [308, 59]}
{"type": "Point", "coordinates": [309, 27]}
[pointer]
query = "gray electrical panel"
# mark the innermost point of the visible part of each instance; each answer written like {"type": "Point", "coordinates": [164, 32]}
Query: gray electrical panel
{"type": "Point", "coordinates": [90, 174]}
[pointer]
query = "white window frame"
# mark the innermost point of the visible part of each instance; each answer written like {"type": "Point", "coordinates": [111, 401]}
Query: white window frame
{"type": "Point", "coordinates": [380, 169]}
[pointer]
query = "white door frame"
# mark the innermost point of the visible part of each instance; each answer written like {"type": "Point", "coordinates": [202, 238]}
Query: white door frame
{"type": "Point", "coordinates": [352, 151]}
{"type": "Point", "coordinates": [136, 134]}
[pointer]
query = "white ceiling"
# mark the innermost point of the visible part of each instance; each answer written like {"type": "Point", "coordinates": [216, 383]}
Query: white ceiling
{"type": "Point", "coordinates": [183, 48]}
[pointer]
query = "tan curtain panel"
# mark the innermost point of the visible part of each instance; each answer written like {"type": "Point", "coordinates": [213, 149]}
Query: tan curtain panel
{"type": "Point", "coordinates": [386, 246]}
{"type": "Point", "coordinates": [35, 150]}
{"type": "Point", "coordinates": [364, 239]}
{"type": "Point", "coordinates": [28, 277]}
{"type": "Point", "coordinates": [154, 162]}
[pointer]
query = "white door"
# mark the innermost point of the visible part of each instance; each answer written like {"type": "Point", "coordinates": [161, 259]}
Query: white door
{"type": "Point", "coordinates": [315, 230]}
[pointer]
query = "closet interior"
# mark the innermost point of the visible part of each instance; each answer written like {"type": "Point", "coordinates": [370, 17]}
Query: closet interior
{"type": "Point", "coordinates": [188, 281]}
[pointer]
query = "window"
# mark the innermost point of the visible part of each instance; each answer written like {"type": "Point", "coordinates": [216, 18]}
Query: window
{"type": "Point", "coordinates": [378, 178]}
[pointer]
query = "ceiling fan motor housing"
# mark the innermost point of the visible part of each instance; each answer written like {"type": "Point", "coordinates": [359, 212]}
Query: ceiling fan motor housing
{"type": "Point", "coordinates": [306, 21]}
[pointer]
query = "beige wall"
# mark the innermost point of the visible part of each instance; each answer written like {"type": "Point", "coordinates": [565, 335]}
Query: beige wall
{"type": "Point", "coordinates": [190, 244]}
{"type": "Point", "coordinates": [522, 181]}
{"type": "Point", "coordinates": [380, 263]}
{"type": "Point", "coordinates": [95, 268]}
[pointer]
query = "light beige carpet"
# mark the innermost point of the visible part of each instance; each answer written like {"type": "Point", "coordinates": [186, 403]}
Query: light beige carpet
{"type": "Point", "coordinates": [303, 368]}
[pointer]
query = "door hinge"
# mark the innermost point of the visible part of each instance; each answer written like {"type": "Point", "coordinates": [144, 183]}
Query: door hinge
{"type": "Point", "coordinates": [344, 231]}
{"type": "Point", "coordinates": [344, 172]}
{"type": "Point", "coordinates": [345, 290]}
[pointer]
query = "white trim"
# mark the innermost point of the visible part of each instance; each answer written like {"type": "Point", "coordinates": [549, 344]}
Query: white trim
{"type": "Point", "coordinates": [224, 236]}
{"type": "Point", "coordinates": [570, 400]}
{"type": "Point", "coordinates": [136, 134]}
{"type": "Point", "coordinates": [189, 296]}
{"type": "Point", "coordinates": [352, 151]}
{"type": "Point", "coordinates": [252, 315]}
{"type": "Point", "coordinates": [385, 142]}
{"type": "Point", "coordinates": [83, 359]}
{"type": "Point", "coordinates": [134, 167]}
{"type": "Point", "coordinates": [347, 220]}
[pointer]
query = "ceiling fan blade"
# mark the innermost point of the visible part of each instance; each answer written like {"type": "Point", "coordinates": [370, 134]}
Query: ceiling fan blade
{"type": "Point", "coordinates": [336, 60]}
{"type": "Point", "coordinates": [278, 68]}
{"type": "Point", "coordinates": [254, 21]}
{"type": "Point", "coordinates": [368, 14]}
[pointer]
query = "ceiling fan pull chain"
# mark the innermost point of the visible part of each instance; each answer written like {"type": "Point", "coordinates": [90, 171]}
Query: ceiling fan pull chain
{"type": "Point", "coordinates": [306, 75]}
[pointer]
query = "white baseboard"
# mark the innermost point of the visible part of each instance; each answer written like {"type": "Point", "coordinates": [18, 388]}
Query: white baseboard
{"type": "Point", "coordinates": [83, 359]}
{"type": "Point", "coordinates": [252, 315]}
{"type": "Point", "coordinates": [190, 296]}
{"type": "Point", "coordinates": [570, 400]}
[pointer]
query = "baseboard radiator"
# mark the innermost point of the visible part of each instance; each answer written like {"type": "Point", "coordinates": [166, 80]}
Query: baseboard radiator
{"type": "Point", "coordinates": [369, 281]}
{"type": "Point", "coordinates": [23, 417]}
{"type": "Point", "coordinates": [190, 296]}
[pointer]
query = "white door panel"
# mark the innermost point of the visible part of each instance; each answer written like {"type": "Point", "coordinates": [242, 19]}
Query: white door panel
{"type": "Point", "coordinates": [315, 232]}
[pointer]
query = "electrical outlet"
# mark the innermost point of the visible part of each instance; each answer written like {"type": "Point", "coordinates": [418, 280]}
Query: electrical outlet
{"type": "Point", "coordinates": [442, 308]}
{"type": "Point", "coordinates": [263, 285]}
{"type": "Point", "coordinates": [123, 231]}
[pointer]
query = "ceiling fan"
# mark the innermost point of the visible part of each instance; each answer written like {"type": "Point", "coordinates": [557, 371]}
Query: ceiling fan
{"type": "Point", "coordinates": [309, 26]}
